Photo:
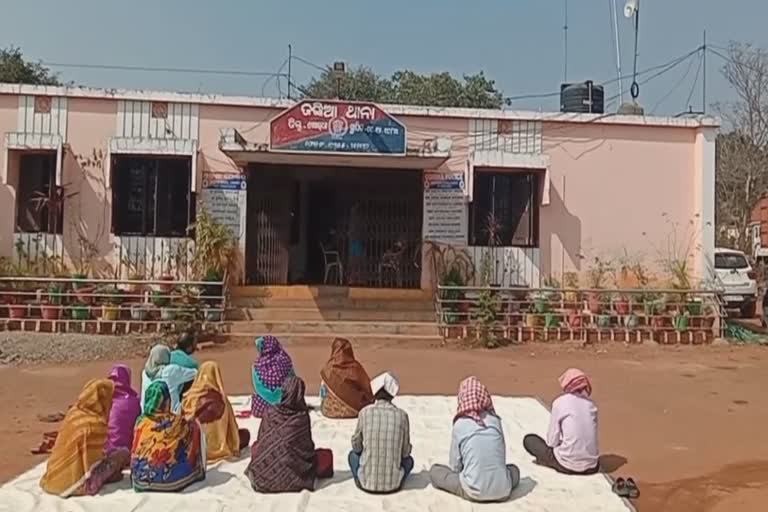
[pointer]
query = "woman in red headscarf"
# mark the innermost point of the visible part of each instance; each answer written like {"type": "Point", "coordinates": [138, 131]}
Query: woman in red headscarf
{"type": "Point", "coordinates": [571, 445]}
{"type": "Point", "coordinates": [346, 386]}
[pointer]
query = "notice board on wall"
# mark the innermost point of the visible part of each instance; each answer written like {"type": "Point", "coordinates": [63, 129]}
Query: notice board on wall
{"type": "Point", "coordinates": [445, 207]}
{"type": "Point", "coordinates": [225, 198]}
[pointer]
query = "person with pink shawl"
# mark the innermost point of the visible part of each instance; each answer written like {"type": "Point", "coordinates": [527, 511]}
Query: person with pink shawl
{"type": "Point", "coordinates": [125, 410]}
{"type": "Point", "coordinates": [571, 446]}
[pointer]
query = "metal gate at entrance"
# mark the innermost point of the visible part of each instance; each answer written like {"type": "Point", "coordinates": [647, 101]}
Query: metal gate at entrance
{"type": "Point", "coordinates": [335, 226]}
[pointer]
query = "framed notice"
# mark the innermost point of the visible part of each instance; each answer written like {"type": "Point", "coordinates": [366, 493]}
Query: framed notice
{"type": "Point", "coordinates": [445, 207]}
{"type": "Point", "coordinates": [225, 199]}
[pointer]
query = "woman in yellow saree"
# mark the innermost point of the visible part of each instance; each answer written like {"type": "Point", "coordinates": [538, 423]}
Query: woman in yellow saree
{"type": "Point", "coordinates": [79, 465]}
{"type": "Point", "coordinates": [223, 437]}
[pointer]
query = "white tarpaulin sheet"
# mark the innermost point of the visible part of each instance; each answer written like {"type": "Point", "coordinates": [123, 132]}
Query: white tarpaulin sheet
{"type": "Point", "coordinates": [227, 489]}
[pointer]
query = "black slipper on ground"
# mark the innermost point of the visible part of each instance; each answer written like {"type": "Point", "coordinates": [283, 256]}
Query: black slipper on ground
{"type": "Point", "coordinates": [633, 492]}
{"type": "Point", "coordinates": [619, 488]}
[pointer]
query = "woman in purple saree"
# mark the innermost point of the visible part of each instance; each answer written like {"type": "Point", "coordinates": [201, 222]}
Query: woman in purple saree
{"type": "Point", "coordinates": [125, 410]}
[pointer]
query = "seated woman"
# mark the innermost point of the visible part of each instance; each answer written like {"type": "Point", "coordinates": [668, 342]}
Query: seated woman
{"type": "Point", "coordinates": [272, 368]}
{"type": "Point", "coordinates": [79, 465]}
{"type": "Point", "coordinates": [346, 387]}
{"type": "Point", "coordinates": [571, 445]}
{"type": "Point", "coordinates": [125, 410]}
{"type": "Point", "coordinates": [223, 439]}
{"type": "Point", "coordinates": [159, 367]}
{"type": "Point", "coordinates": [169, 451]}
{"type": "Point", "coordinates": [283, 458]}
{"type": "Point", "coordinates": [478, 469]}
{"type": "Point", "coordinates": [185, 347]}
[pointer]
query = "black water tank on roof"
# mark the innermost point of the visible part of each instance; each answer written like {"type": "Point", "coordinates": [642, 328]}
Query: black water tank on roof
{"type": "Point", "coordinates": [585, 98]}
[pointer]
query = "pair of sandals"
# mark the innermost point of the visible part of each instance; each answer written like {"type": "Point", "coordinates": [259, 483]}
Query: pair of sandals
{"type": "Point", "coordinates": [626, 488]}
{"type": "Point", "coordinates": [46, 445]}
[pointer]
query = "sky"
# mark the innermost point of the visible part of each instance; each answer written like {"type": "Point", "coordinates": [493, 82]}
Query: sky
{"type": "Point", "coordinates": [517, 43]}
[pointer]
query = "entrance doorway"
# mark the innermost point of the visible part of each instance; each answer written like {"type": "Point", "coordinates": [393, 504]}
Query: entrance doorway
{"type": "Point", "coordinates": [334, 225]}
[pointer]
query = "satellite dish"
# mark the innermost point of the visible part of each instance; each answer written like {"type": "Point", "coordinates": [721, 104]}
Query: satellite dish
{"type": "Point", "coordinates": [630, 9]}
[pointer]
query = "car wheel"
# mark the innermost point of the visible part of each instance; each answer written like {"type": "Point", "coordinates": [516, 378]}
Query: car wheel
{"type": "Point", "coordinates": [749, 310]}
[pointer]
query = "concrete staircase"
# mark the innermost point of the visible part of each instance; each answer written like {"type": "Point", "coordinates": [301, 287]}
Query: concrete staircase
{"type": "Point", "coordinates": [304, 313]}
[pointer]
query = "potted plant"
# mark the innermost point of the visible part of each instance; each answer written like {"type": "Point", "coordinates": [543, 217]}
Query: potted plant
{"type": "Point", "coordinates": [135, 287]}
{"type": "Point", "coordinates": [572, 297]}
{"type": "Point", "coordinates": [603, 321]}
{"type": "Point", "coordinates": [139, 312]}
{"type": "Point", "coordinates": [168, 314]}
{"type": "Point", "coordinates": [166, 286]}
{"type": "Point", "coordinates": [111, 309]}
{"type": "Point", "coordinates": [574, 319]}
{"type": "Point", "coordinates": [551, 320]}
{"type": "Point", "coordinates": [215, 315]}
{"type": "Point", "coordinates": [680, 321]}
{"type": "Point", "coordinates": [50, 309]}
{"type": "Point", "coordinates": [18, 310]}
{"type": "Point", "coordinates": [455, 305]}
{"type": "Point", "coordinates": [596, 276]}
{"type": "Point", "coordinates": [159, 299]}
{"type": "Point", "coordinates": [80, 311]}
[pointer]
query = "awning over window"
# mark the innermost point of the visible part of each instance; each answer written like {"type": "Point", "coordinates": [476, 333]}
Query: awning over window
{"type": "Point", "coordinates": [503, 160]}
{"type": "Point", "coordinates": [143, 146]}
{"type": "Point", "coordinates": [17, 141]}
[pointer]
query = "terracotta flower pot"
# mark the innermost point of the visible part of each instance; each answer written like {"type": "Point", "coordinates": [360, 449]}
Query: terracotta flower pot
{"type": "Point", "coordinates": [622, 306]}
{"type": "Point", "coordinates": [49, 312]}
{"type": "Point", "coordinates": [166, 287]}
{"type": "Point", "coordinates": [594, 303]}
{"type": "Point", "coordinates": [18, 310]}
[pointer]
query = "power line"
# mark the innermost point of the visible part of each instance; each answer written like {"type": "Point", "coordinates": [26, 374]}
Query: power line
{"type": "Point", "coordinates": [695, 81]}
{"type": "Point", "coordinates": [675, 87]}
{"type": "Point", "coordinates": [311, 64]}
{"type": "Point", "coordinates": [663, 70]}
{"type": "Point", "coordinates": [673, 62]}
{"type": "Point", "coordinates": [275, 75]}
{"type": "Point", "coordinates": [161, 69]}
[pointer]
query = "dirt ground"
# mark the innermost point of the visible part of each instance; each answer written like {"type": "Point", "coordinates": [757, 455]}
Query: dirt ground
{"type": "Point", "coordinates": [688, 423]}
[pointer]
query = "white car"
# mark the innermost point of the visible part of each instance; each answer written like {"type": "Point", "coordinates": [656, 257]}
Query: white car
{"type": "Point", "coordinates": [738, 281]}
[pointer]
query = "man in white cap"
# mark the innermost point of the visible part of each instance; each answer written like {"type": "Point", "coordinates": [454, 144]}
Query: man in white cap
{"type": "Point", "coordinates": [380, 459]}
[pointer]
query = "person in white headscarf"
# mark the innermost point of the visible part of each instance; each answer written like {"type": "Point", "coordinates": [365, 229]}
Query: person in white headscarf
{"type": "Point", "coordinates": [380, 459]}
{"type": "Point", "coordinates": [159, 367]}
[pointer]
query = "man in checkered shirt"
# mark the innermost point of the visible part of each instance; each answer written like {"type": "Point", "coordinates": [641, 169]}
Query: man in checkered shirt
{"type": "Point", "coordinates": [380, 459]}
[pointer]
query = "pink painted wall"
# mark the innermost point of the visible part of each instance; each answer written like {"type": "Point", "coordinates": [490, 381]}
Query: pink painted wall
{"type": "Point", "coordinates": [615, 188]}
{"type": "Point", "coordinates": [92, 122]}
{"type": "Point", "coordinates": [251, 122]}
{"type": "Point", "coordinates": [8, 119]}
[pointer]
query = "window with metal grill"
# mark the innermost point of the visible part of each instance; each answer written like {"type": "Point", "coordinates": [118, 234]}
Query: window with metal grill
{"type": "Point", "coordinates": [39, 202]}
{"type": "Point", "coordinates": [151, 196]}
{"type": "Point", "coordinates": [505, 209]}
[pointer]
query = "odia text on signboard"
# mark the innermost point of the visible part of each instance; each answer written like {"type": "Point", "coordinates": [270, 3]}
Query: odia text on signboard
{"type": "Point", "coordinates": [224, 199]}
{"type": "Point", "coordinates": [445, 212]}
{"type": "Point", "coordinates": [337, 127]}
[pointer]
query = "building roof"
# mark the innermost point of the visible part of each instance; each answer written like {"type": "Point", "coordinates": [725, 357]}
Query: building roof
{"type": "Point", "coordinates": [692, 121]}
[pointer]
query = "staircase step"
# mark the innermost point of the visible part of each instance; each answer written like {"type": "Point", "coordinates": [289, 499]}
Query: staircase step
{"type": "Point", "coordinates": [331, 303]}
{"type": "Point", "coordinates": [274, 314]}
{"type": "Point", "coordinates": [362, 328]}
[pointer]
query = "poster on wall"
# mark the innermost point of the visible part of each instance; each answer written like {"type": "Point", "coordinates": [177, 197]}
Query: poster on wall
{"type": "Point", "coordinates": [327, 126]}
{"type": "Point", "coordinates": [445, 207]}
{"type": "Point", "coordinates": [224, 197]}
